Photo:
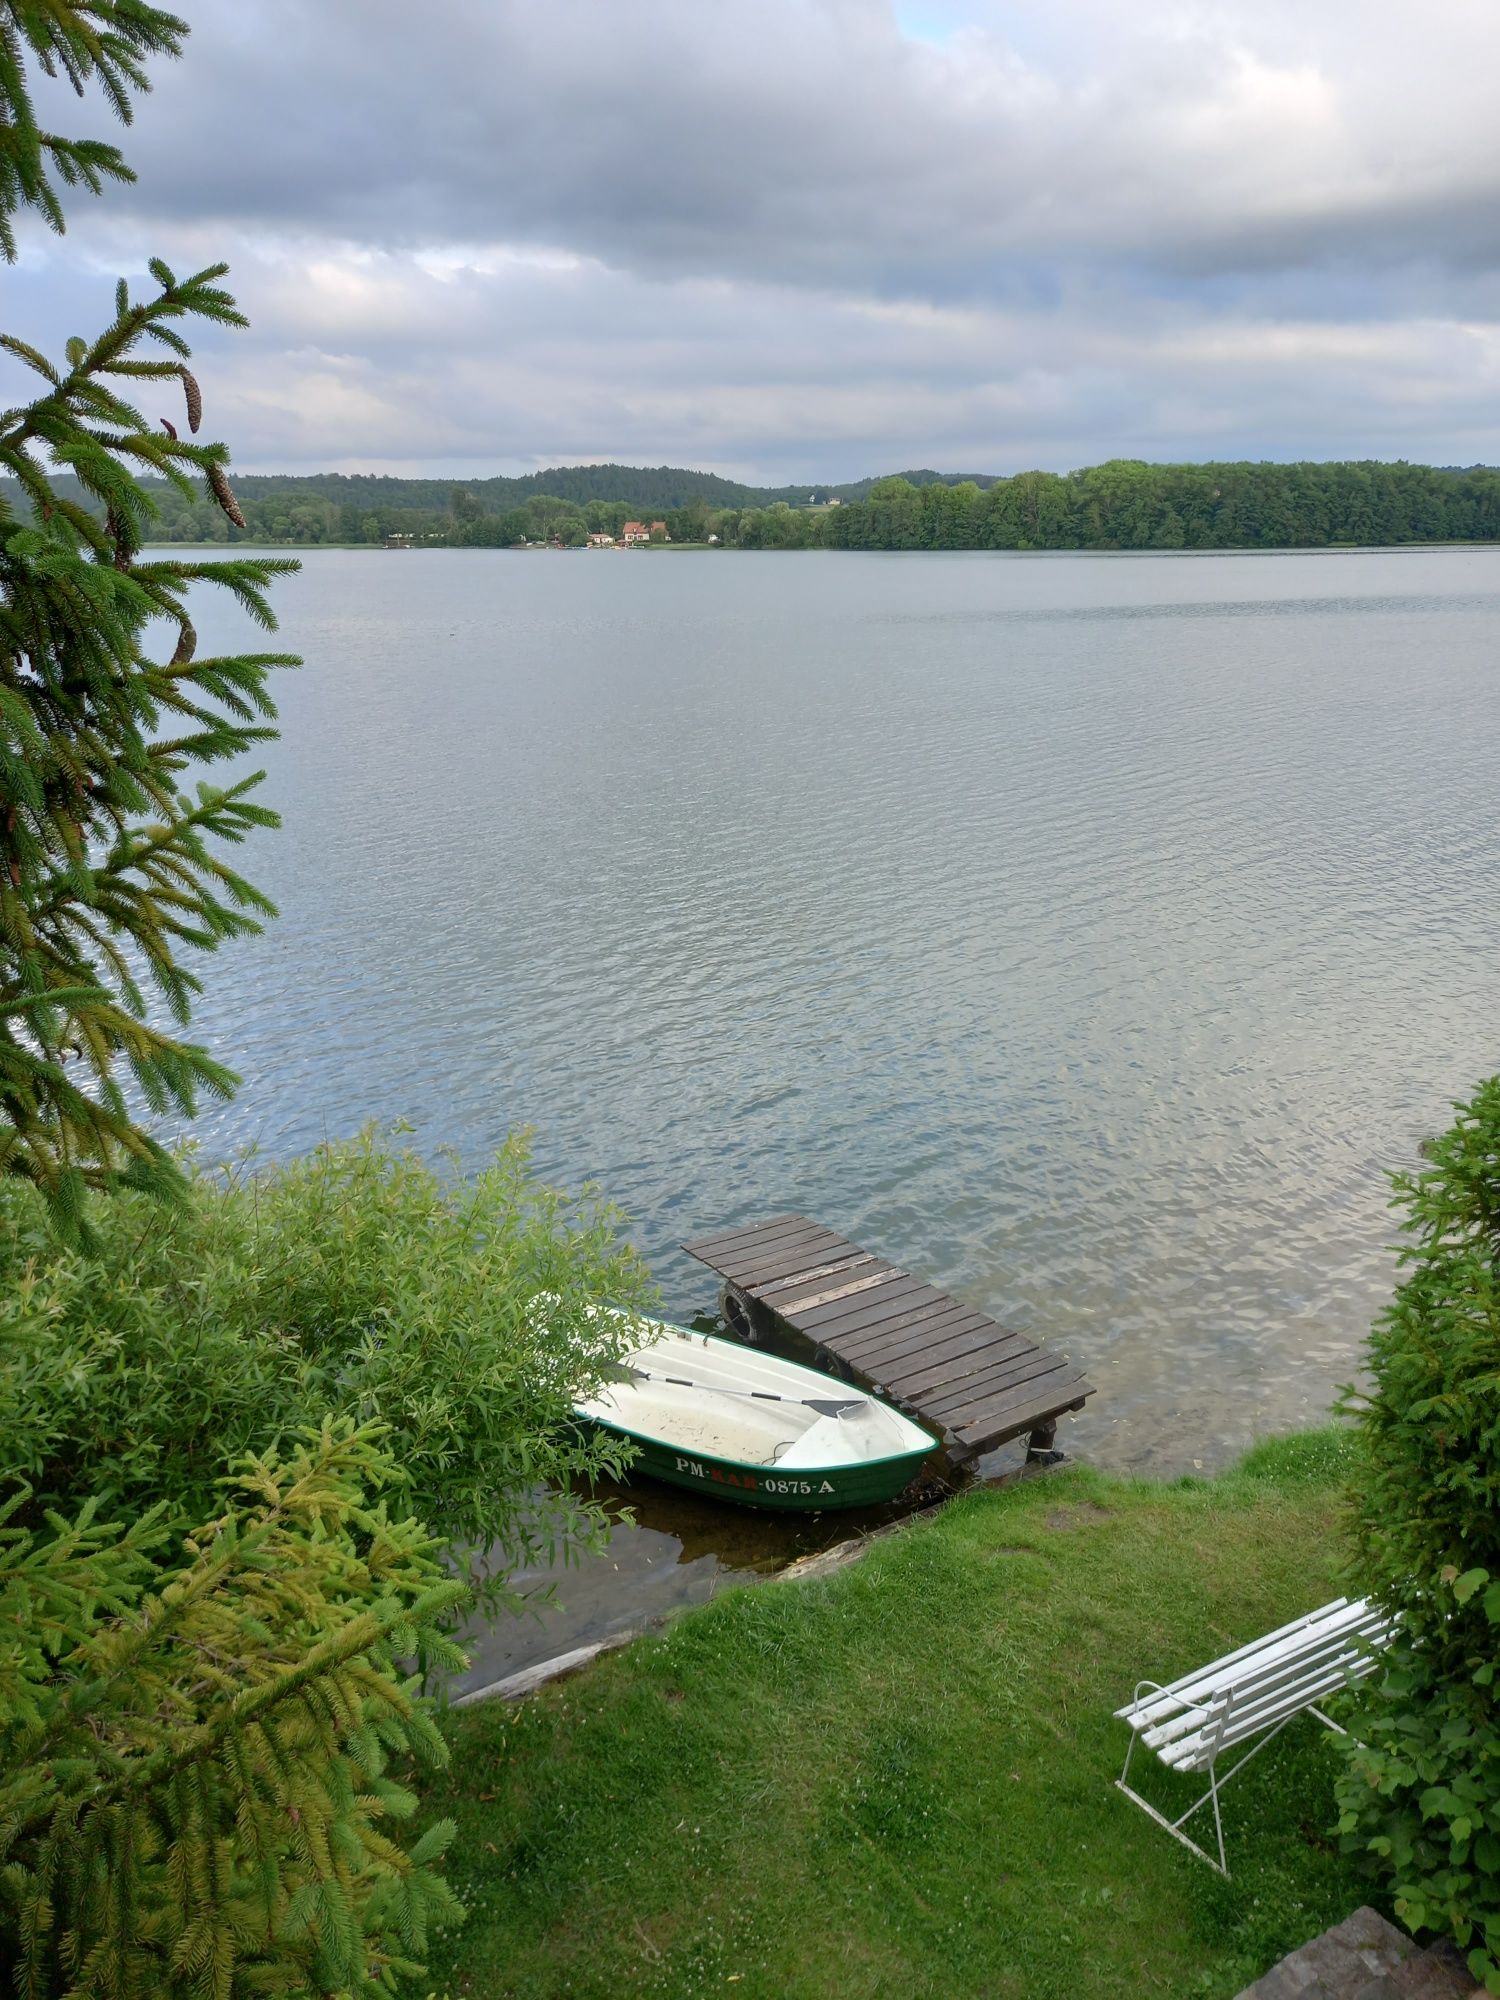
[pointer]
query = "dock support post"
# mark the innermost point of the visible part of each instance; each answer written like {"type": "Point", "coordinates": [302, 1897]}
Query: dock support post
{"type": "Point", "coordinates": [1040, 1445]}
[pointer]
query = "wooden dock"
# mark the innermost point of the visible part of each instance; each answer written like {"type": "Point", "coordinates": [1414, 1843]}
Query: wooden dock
{"type": "Point", "coordinates": [948, 1364]}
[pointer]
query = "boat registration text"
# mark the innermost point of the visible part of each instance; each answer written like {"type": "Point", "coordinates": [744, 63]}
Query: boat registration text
{"type": "Point", "coordinates": [751, 1482]}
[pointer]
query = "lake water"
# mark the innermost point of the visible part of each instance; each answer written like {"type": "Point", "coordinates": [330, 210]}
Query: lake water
{"type": "Point", "coordinates": [1092, 934]}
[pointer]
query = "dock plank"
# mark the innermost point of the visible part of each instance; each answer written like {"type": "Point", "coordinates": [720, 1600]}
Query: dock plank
{"type": "Point", "coordinates": [724, 1238]}
{"type": "Point", "coordinates": [933, 1373]}
{"type": "Point", "coordinates": [804, 1295]}
{"type": "Point", "coordinates": [955, 1368]}
{"type": "Point", "coordinates": [946, 1358]}
{"type": "Point", "coordinates": [825, 1323]}
{"type": "Point", "coordinates": [770, 1291]}
{"type": "Point", "coordinates": [742, 1261]}
{"type": "Point", "coordinates": [922, 1323]}
{"type": "Point", "coordinates": [883, 1320]}
{"type": "Point", "coordinates": [763, 1263]}
{"type": "Point", "coordinates": [785, 1272]}
{"type": "Point", "coordinates": [1059, 1388]}
{"type": "Point", "coordinates": [927, 1322]}
{"type": "Point", "coordinates": [1009, 1417]}
{"type": "Point", "coordinates": [995, 1378]}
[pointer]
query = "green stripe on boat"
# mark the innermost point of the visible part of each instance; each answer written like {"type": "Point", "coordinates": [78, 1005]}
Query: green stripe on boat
{"type": "Point", "coordinates": [740, 1424]}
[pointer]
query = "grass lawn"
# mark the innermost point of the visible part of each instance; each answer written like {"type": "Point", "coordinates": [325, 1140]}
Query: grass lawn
{"type": "Point", "coordinates": [898, 1781]}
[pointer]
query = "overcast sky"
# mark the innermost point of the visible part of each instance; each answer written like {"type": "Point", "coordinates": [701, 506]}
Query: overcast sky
{"type": "Point", "coordinates": [819, 238]}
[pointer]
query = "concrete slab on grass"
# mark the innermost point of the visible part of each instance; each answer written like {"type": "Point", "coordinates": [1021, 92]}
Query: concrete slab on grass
{"type": "Point", "coordinates": [1366, 1958]}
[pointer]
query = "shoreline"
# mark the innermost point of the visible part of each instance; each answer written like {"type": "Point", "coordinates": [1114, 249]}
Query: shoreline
{"type": "Point", "coordinates": [706, 548]}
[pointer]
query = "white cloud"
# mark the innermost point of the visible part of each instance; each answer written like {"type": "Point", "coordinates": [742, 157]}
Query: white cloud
{"type": "Point", "coordinates": [795, 239]}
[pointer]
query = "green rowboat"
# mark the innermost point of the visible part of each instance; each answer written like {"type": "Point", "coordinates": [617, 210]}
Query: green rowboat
{"type": "Point", "coordinates": [740, 1424]}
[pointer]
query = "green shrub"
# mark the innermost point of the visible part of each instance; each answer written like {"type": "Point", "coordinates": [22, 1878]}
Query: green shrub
{"type": "Point", "coordinates": [195, 1740]}
{"type": "Point", "coordinates": [1420, 1793]}
{"type": "Point", "coordinates": [357, 1282]}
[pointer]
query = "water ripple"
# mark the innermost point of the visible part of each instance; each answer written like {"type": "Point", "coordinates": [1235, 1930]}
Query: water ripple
{"type": "Point", "coordinates": [1091, 934]}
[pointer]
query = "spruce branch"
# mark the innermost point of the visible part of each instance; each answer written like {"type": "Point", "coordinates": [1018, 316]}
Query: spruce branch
{"type": "Point", "coordinates": [96, 840]}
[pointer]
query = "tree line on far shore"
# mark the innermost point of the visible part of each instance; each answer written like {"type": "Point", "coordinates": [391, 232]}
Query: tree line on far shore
{"type": "Point", "coordinates": [1122, 504]}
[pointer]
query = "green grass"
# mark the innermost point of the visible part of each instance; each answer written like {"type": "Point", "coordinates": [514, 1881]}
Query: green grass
{"type": "Point", "coordinates": [898, 1781]}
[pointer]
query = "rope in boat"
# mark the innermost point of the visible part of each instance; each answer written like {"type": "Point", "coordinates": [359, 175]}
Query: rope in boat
{"type": "Point", "coordinates": [824, 1405]}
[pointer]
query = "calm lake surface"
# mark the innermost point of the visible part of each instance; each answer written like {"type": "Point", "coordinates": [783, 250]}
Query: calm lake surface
{"type": "Point", "coordinates": [1092, 934]}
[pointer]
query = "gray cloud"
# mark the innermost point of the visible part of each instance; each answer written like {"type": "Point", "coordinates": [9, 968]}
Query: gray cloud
{"type": "Point", "coordinates": [794, 238]}
{"type": "Point", "coordinates": [808, 140]}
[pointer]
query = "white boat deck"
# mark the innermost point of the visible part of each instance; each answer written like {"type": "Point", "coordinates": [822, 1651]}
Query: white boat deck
{"type": "Point", "coordinates": [716, 1398]}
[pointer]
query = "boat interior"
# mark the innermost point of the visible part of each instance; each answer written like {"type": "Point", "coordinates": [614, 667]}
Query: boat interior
{"type": "Point", "coordinates": [713, 1397]}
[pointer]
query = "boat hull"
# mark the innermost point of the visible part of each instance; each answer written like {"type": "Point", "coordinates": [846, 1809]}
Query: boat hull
{"type": "Point", "coordinates": [802, 1490]}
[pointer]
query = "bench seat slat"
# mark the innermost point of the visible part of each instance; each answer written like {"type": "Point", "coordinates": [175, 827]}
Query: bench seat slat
{"type": "Point", "coordinates": [1189, 1722]}
{"type": "Point", "coordinates": [1289, 1631]}
{"type": "Point", "coordinates": [1196, 1753]}
{"type": "Point", "coordinates": [1303, 1639]}
{"type": "Point", "coordinates": [1344, 1654]}
{"type": "Point", "coordinates": [1201, 1683]}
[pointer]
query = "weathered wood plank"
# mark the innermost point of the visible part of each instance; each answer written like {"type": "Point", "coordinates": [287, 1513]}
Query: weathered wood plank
{"type": "Point", "coordinates": [796, 1305]}
{"type": "Point", "coordinates": [809, 1243]}
{"type": "Point", "coordinates": [911, 1333]}
{"type": "Point", "coordinates": [973, 1441]}
{"type": "Point", "coordinates": [995, 1378]}
{"type": "Point", "coordinates": [847, 1321]}
{"type": "Point", "coordinates": [800, 1266]}
{"type": "Point", "coordinates": [706, 1246]}
{"type": "Point", "coordinates": [794, 1251]}
{"type": "Point", "coordinates": [756, 1278]}
{"type": "Point", "coordinates": [769, 1291]}
{"type": "Point", "coordinates": [966, 1350]}
{"type": "Point", "coordinates": [904, 1327]}
{"type": "Point", "coordinates": [938, 1371]}
{"type": "Point", "coordinates": [790, 1270]}
{"type": "Point", "coordinates": [1040, 1397]}
{"type": "Point", "coordinates": [820, 1321]}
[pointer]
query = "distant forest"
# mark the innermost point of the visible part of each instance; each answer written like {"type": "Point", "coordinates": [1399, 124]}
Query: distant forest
{"type": "Point", "coordinates": [1123, 504]}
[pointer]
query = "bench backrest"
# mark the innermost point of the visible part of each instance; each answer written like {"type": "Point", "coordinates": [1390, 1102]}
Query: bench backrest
{"type": "Point", "coordinates": [1190, 1721]}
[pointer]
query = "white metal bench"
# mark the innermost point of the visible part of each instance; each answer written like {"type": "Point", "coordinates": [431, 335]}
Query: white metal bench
{"type": "Point", "coordinates": [1253, 1693]}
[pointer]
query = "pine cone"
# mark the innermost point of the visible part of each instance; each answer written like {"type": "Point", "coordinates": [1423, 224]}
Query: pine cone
{"type": "Point", "coordinates": [194, 397]}
{"type": "Point", "coordinates": [119, 533]}
{"type": "Point", "coordinates": [223, 494]}
{"type": "Point", "coordinates": [187, 643]}
{"type": "Point", "coordinates": [169, 428]}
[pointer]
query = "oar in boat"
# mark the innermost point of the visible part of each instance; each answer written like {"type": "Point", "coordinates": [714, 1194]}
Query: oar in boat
{"type": "Point", "coordinates": [824, 1405]}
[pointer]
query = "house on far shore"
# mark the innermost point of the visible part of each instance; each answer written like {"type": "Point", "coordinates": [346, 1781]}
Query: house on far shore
{"type": "Point", "coordinates": [601, 541]}
{"type": "Point", "coordinates": [635, 532]}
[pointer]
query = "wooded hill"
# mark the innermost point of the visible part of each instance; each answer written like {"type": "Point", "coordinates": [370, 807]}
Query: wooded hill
{"type": "Point", "coordinates": [640, 486]}
{"type": "Point", "coordinates": [1122, 504]}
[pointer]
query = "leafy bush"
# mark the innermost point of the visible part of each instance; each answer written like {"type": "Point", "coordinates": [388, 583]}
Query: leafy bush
{"type": "Point", "coordinates": [356, 1282]}
{"type": "Point", "coordinates": [194, 1746]}
{"type": "Point", "coordinates": [1421, 1789]}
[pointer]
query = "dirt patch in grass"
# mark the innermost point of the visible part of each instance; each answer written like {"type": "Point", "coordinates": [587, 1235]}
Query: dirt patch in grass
{"type": "Point", "coordinates": [1079, 1515]}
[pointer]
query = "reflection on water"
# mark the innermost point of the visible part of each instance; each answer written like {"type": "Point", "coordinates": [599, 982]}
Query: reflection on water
{"type": "Point", "coordinates": [668, 1548]}
{"type": "Point", "coordinates": [1090, 935]}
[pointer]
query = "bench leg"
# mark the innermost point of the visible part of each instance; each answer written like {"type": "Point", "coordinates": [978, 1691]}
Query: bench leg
{"type": "Point", "coordinates": [1175, 1826]}
{"type": "Point", "coordinates": [1210, 1797]}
